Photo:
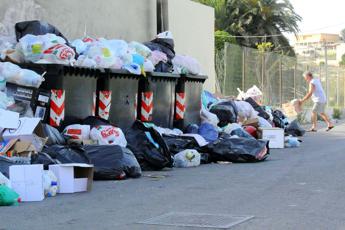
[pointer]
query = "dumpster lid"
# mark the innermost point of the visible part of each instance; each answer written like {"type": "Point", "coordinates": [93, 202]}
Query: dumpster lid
{"type": "Point", "coordinates": [190, 77]}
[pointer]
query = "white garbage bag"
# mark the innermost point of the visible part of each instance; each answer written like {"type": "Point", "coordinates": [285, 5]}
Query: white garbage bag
{"type": "Point", "coordinates": [186, 65]}
{"type": "Point", "coordinates": [140, 49]}
{"type": "Point", "coordinates": [148, 66]}
{"type": "Point", "coordinates": [245, 110]}
{"type": "Point", "coordinates": [14, 74]}
{"type": "Point", "coordinates": [263, 123]}
{"type": "Point", "coordinates": [209, 117]}
{"type": "Point", "coordinates": [77, 132]}
{"type": "Point", "coordinates": [108, 135]}
{"type": "Point", "coordinates": [187, 158]}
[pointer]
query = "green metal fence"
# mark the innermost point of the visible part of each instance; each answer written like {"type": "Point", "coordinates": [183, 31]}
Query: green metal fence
{"type": "Point", "coordinates": [278, 76]}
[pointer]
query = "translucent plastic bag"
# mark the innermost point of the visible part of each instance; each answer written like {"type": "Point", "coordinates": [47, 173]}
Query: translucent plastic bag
{"type": "Point", "coordinates": [78, 132]}
{"type": "Point", "coordinates": [14, 74]}
{"type": "Point", "coordinates": [245, 110]}
{"type": "Point", "coordinates": [186, 65]}
{"type": "Point", "coordinates": [157, 57]}
{"type": "Point", "coordinates": [255, 93]}
{"type": "Point", "coordinates": [140, 49]}
{"type": "Point", "coordinates": [59, 54]}
{"type": "Point", "coordinates": [33, 47]}
{"type": "Point", "coordinates": [209, 117]}
{"type": "Point", "coordinates": [148, 66]}
{"type": "Point", "coordinates": [108, 135]}
{"type": "Point", "coordinates": [187, 158]}
{"type": "Point", "coordinates": [86, 62]}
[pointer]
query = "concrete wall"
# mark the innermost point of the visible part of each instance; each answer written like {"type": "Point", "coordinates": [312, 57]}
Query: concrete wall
{"type": "Point", "coordinates": [192, 25]}
{"type": "Point", "coordinates": [124, 19]}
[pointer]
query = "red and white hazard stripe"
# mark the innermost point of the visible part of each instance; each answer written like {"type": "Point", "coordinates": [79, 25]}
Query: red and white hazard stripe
{"type": "Point", "coordinates": [104, 104]}
{"type": "Point", "coordinates": [146, 106]}
{"type": "Point", "coordinates": [136, 106]}
{"type": "Point", "coordinates": [57, 107]}
{"type": "Point", "coordinates": [180, 106]}
{"type": "Point", "coordinates": [94, 98]}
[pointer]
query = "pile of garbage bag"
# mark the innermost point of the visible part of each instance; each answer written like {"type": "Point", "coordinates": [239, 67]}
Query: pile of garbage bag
{"type": "Point", "coordinates": [68, 159]}
{"type": "Point", "coordinates": [40, 42]}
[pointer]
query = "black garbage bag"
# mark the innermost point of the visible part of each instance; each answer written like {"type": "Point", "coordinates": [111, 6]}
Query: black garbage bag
{"type": "Point", "coordinates": [295, 129]}
{"type": "Point", "coordinates": [166, 46]}
{"type": "Point", "coordinates": [36, 27]}
{"type": "Point", "coordinates": [237, 150]}
{"type": "Point", "coordinates": [177, 144]}
{"type": "Point", "coordinates": [67, 154]}
{"type": "Point", "coordinates": [44, 159]}
{"type": "Point", "coordinates": [279, 119]}
{"type": "Point", "coordinates": [258, 108]}
{"type": "Point", "coordinates": [6, 162]}
{"type": "Point", "coordinates": [148, 147]}
{"type": "Point", "coordinates": [54, 136]}
{"type": "Point", "coordinates": [226, 112]}
{"type": "Point", "coordinates": [112, 162]}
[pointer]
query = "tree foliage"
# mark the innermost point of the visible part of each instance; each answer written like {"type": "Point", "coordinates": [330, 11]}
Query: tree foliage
{"type": "Point", "coordinates": [342, 62]}
{"type": "Point", "coordinates": [221, 37]}
{"type": "Point", "coordinates": [342, 34]}
{"type": "Point", "coordinates": [270, 19]}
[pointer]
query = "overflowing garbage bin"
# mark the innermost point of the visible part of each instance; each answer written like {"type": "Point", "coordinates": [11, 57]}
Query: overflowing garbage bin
{"type": "Point", "coordinates": [157, 97]}
{"type": "Point", "coordinates": [117, 97]}
{"type": "Point", "coordinates": [188, 100]}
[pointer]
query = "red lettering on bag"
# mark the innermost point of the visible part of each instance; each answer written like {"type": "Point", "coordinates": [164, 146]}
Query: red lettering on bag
{"type": "Point", "coordinates": [74, 131]}
{"type": "Point", "coordinates": [107, 132]}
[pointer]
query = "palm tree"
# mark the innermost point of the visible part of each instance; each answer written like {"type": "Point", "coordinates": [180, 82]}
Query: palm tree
{"type": "Point", "coordinates": [257, 18]}
{"type": "Point", "coordinates": [271, 18]}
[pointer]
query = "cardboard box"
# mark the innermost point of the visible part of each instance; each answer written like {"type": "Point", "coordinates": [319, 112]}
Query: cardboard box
{"type": "Point", "coordinates": [251, 122]}
{"type": "Point", "coordinates": [8, 119]}
{"type": "Point", "coordinates": [73, 177]}
{"type": "Point", "coordinates": [27, 181]}
{"type": "Point", "coordinates": [29, 129]}
{"type": "Point", "coordinates": [6, 146]}
{"type": "Point", "coordinates": [24, 149]}
{"type": "Point", "coordinates": [289, 110]}
{"type": "Point", "coordinates": [274, 135]}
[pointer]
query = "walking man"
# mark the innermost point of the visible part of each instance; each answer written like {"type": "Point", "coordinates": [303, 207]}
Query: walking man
{"type": "Point", "coordinates": [318, 96]}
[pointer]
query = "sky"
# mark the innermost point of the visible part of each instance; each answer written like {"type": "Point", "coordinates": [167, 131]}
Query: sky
{"type": "Point", "coordinates": [326, 16]}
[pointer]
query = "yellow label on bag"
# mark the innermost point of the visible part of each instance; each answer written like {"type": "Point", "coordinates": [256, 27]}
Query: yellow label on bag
{"type": "Point", "coordinates": [36, 48]}
{"type": "Point", "coordinates": [106, 52]}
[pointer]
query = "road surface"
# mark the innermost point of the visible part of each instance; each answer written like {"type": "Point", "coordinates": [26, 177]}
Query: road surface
{"type": "Point", "coordinates": [301, 188]}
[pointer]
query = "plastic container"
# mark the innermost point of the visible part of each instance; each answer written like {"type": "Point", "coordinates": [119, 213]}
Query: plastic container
{"type": "Point", "coordinates": [72, 92]}
{"type": "Point", "coordinates": [156, 99]}
{"type": "Point", "coordinates": [117, 97]}
{"type": "Point", "coordinates": [189, 87]}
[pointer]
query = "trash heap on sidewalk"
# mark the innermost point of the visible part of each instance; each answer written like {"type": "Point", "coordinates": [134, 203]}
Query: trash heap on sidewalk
{"type": "Point", "coordinates": [38, 160]}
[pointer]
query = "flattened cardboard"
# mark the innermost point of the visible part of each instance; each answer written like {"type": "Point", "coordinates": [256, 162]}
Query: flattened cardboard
{"type": "Point", "coordinates": [24, 148]}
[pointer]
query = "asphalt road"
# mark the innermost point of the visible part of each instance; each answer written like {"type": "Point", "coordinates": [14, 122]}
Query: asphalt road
{"type": "Point", "coordinates": [301, 188]}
